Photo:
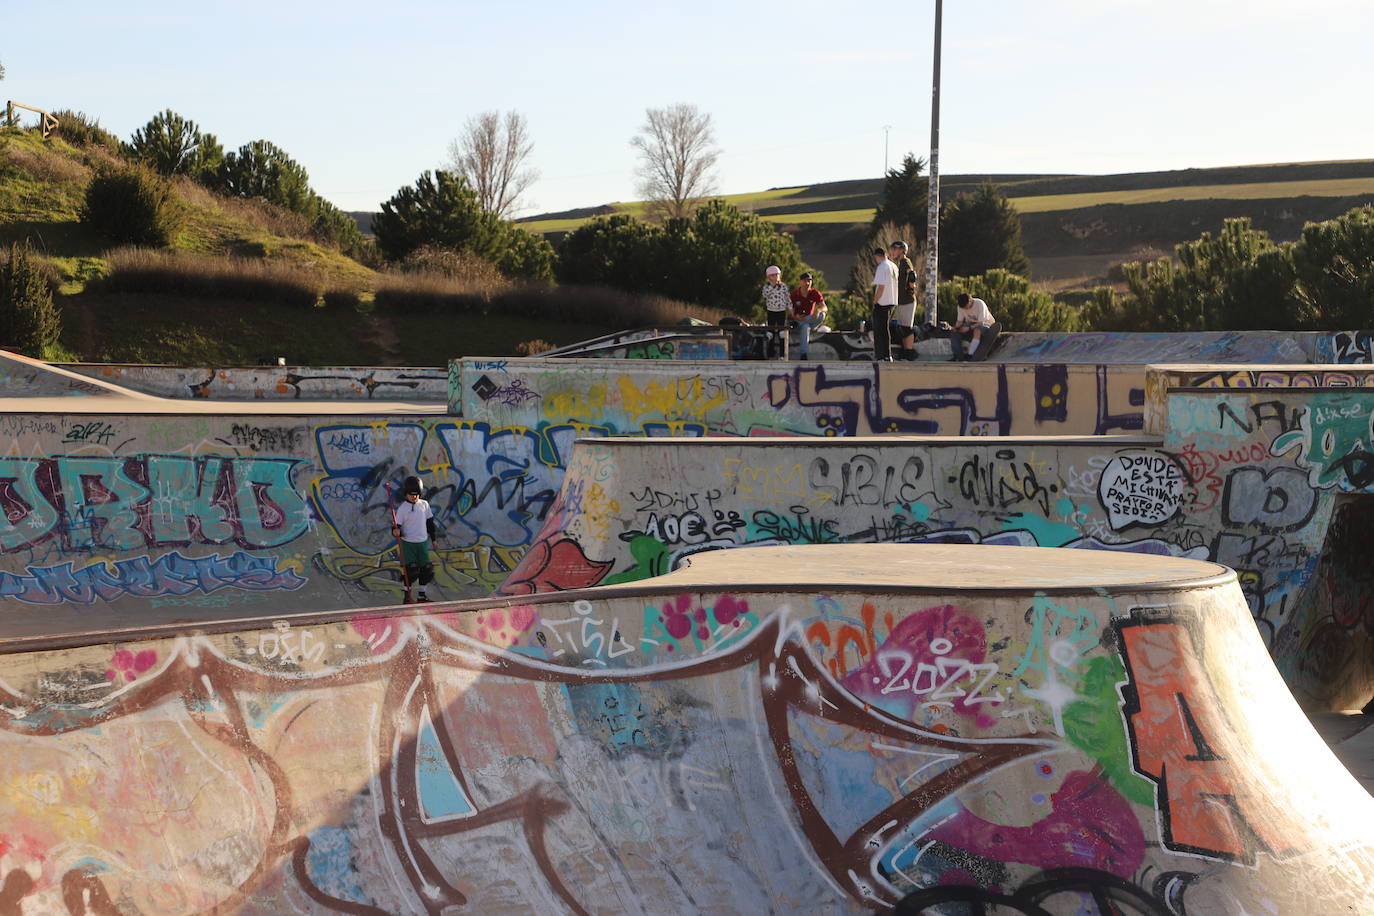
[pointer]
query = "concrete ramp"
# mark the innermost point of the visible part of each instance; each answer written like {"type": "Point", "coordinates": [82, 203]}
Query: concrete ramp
{"type": "Point", "coordinates": [24, 377]}
{"type": "Point", "coordinates": [778, 730]}
{"type": "Point", "coordinates": [318, 383]}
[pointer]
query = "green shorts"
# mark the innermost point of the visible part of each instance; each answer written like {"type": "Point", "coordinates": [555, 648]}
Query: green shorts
{"type": "Point", "coordinates": [415, 553]}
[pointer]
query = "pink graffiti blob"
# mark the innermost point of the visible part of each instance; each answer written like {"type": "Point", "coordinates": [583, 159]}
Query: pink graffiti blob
{"type": "Point", "coordinates": [492, 625]}
{"type": "Point", "coordinates": [1090, 825]}
{"type": "Point", "coordinates": [675, 617]}
{"type": "Point", "coordinates": [932, 658]}
{"type": "Point", "coordinates": [729, 609]}
{"type": "Point", "coordinates": [127, 665]}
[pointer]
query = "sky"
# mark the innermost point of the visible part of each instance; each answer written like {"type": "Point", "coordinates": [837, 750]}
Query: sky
{"type": "Point", "coordinates": [368, 95]}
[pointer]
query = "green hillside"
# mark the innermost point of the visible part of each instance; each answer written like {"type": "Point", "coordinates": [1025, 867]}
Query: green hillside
{"type": "Point", "coordinates": [42, 189]}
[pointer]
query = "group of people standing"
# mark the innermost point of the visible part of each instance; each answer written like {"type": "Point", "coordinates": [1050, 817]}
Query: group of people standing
{"type": "Point", "coordinates": [895, 285]}
{"type": "Point", "coordinates": [894, 302]}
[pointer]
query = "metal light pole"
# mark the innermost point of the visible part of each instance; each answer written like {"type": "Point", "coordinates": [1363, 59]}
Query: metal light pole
{"type": "Point", "coordinates": [887, 131]}
{"type": "Point", "coordinates": [933, 214]}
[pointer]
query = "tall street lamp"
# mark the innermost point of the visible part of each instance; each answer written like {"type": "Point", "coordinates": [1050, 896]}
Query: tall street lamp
{"type": "Point", "coordinates": [933, 214]}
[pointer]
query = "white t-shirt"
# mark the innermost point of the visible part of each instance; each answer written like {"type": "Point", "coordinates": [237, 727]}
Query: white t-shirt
{"type": "Point", "coordinates": [975, 313]}
{"type": "Point", "coordinates": [411, 517]}
{"type": "Point", "coordinates": [885, 275]}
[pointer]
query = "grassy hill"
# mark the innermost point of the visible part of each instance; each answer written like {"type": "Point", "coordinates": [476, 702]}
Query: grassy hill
{"type": "Point", "coordinates": [42, 188]}
{"type": "Point", "coordinates": [1074, 226]}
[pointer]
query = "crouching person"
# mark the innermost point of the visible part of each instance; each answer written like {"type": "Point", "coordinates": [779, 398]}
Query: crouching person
{"type": "Point", "coordinates": [975, 327]}
{"type": "Point", "coordinates": [413, 526]}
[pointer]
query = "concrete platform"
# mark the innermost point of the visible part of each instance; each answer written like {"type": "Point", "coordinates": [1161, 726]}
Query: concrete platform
{"type": "Point", "coordinates": [815, 729]}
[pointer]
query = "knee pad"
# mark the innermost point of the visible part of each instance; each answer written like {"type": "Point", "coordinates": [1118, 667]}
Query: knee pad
{"type": "Point", "coordinates": [426, 574]}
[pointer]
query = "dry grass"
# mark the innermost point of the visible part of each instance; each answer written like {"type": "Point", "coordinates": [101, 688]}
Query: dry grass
{"type": "Point", "coordinates": [430, 292]}
{"type": "Point", "coordinates": [461, 266]}
{"type": "Point", "coordinates": [532, 347]}
{"type": "Point", "coordinates": [102, 159]}
{"type": "Point", "coordinates": [267, 216]}
{"type": "Point", "coordinates": [47, 165]}
{"type": "Point", "coordinates": [145, 270]}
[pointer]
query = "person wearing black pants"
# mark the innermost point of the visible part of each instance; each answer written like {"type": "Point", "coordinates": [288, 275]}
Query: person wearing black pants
{"type": "Point", "coordinates": [884, 301]}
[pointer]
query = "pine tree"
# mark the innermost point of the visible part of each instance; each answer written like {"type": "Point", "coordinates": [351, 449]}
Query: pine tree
{"type": "Point", "coordinates": [173, 145]}
{"type": "Point", "coordinates": [979, 232]}
{"type": "Point", "coordinates": [28, 319]}
{"type": "Point", "coordinates": [905, 199]}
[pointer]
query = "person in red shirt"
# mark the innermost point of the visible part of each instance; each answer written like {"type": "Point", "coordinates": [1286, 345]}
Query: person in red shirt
{"type": "Point", "coordinates": [808, 310]}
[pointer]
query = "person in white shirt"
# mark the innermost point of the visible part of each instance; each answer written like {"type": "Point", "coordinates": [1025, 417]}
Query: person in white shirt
{"type": "Point", "coordinates": [412, 524]}
{"type": "Point", "coordinates": [975, 325]}
{"type": "Point", "coordinates": [884, 301]}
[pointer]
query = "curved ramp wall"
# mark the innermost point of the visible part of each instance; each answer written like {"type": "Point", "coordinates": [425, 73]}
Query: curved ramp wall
{"type": "Point", "coordinates": [777, 730]}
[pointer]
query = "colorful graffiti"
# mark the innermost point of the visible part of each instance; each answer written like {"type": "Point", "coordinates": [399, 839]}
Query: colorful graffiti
{"type": "Point", "coordinates": [1244, 475]}
{"type": "Point", "coordinates": [757, 399]}
{"type": "Point", "coordinates": [807, 751]}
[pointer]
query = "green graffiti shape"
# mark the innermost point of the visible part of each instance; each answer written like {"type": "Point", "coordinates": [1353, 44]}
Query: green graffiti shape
{"type": "Point", "coordinates": [651, 559]}
{"type": "Point", "coordinates": [1093, 724]}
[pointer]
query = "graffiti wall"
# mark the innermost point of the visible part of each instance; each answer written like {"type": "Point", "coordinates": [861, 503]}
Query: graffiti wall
{"type": "Point", "coordinates": [202, 513]}
{"type": "Point", "coordinates": [205, 512]}
{"type": "Point", "coordinates": [234, 383]}
{"type": "Point", "coordinates": [832, 749]}
{"type": "Point", "coordinates": [1160, 380]}
{"type": "Point", "coordinates": [1270, 467]}
{"type": "Point", "coordinates": [634, 509]}
{"type": "Point", "coordinates": [751, 399]}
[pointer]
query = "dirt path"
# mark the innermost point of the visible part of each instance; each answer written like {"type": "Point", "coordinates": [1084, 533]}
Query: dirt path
{"type": "Point", "coordinates": [384, 336]}
{"type": "Point", "coordinates": [90, 348]}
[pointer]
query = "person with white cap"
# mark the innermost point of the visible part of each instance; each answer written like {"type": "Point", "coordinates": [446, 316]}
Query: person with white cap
{"type": "Point", "coordinates": [777, 298]}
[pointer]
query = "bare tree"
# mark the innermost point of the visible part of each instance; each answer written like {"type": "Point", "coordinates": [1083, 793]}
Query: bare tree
{"type": "Point", "coordinates": [491, 154]}
{"type": "Point", "coordinates": [677, 155]}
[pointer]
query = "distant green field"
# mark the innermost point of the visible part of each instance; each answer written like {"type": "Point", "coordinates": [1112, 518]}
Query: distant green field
{"type": "Point", "coordinates": [821, 216]}
{"type": "Point", "coordinates": [1335, 187]}
{"type": "Point", "coordinates": [762, 200]}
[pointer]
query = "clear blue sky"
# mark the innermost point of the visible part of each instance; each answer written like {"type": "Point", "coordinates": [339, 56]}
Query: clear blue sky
{"type": "Point", "coordinates": [367, 95]}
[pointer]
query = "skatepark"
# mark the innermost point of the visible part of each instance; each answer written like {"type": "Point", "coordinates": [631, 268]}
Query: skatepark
{"type": "Point", "coordinates": [1029, 635]}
